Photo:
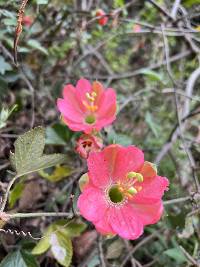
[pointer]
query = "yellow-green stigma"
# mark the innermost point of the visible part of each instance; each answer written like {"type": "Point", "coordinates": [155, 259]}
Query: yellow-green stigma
{"type": "Point", "coordinates": [115, 195]}
{"type": "Point", "coordinates": [90, 119]}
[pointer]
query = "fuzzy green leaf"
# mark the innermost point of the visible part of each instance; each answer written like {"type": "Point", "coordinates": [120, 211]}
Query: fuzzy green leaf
{"type": "Point", "coordinates": [19, 258]}
{"type": "Point", "coordinates": [61, 248]}
{"type": "Point", "coordinates": [28, 156]}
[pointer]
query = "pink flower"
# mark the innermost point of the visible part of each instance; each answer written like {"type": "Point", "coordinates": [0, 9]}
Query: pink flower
{"type": "Point", "coordinates": [136, 28]}
{"type": "Point", "coordinates": [88, 143]}
{"type": "Point", "coordinates": [87, 107]}
{"type": "Point", "coordinates": [104, 19]}
{"type": "Point", "coordinates": [27, 21]}
{"type": "Point", "coordinates": [123, 193]}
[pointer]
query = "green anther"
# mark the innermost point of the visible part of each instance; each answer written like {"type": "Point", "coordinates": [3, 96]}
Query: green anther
{"type": "Point", "coordinates": [131, 175]}
{"type": "Point", "coordinates": [132, 190]}
{"type": "Point", "coordinates": [139, 177]}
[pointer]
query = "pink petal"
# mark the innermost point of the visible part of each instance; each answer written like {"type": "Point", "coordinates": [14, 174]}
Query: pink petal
{"type": "Point", "coordinates": [148, 170]}
{"type": "Point", "coordinates": [98, 89]}
{"type": "Point", "coordinates": [107, 104]}
{"type": "Point", "coordinates": [92, 204]}
{"type": "Point", "coordinates": [83, 86]}
{"type": "Point", "coordinates": [148, 213]}
{"type": "Point", "coordinates": [69, 111]}
{"type": "Point", "coordinates": [152, 190]}
{"type": "Point", "coordinates": [78, 126]}
{"type": "Point", "coordinates": [98, 170]}
{"type": "Point", "coordinates": [103, 226]}
{"type": "Point", "coordinates": [125, 223]}
{"type": "Point", "coordinates": [70, 96]}
{"type": "Point", "coordinates": [100, 123]}
{"type": "Point", "coordinates": [122, 160]}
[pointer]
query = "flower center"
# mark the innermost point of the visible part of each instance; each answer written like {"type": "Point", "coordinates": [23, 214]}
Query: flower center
{"type": "Point", "coordinates": [90, 119]}
{"type": "Point", "coordinates": [89, 104]}
{"type": "Point", "coordinates": [115, 195]}
{"type": "Point", "coordinates": [129, 187]}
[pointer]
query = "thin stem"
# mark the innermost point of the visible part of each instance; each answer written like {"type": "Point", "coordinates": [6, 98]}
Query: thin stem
{"type": "Point", "coordinates": [7, 193]}
{"type": "Point", "coordinates": [40, 214]}
{"type": "Point", "coordinates": [176, 200]}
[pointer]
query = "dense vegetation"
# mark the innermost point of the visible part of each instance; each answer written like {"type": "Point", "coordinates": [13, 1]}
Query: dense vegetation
{"type": "Point", "coordinates": [149, 52]}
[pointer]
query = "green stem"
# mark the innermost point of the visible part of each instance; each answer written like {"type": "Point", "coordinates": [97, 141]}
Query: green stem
{"type": "Point", "coordinates": [176, 200]}
{"type": "Point", "coordinates": [5, 199]}
{"type": "Point", "coordinates": [41, 214]}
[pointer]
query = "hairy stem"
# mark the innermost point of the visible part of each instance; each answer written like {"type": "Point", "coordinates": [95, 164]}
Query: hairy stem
{"type": "Point", "coordinates": [41, 214]}
{"type": "Point", "coordinates": [7, 193]}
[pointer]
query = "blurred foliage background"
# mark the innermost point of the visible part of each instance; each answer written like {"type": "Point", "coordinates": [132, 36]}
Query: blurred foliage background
{"type": "Point", "coordinates": [63, 41]}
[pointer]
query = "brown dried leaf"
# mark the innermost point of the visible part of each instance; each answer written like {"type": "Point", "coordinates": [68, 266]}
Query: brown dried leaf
{"type": "Point", "coordinates": [83, 244]}
{"type": "Point", "coordinates": [31, 194]}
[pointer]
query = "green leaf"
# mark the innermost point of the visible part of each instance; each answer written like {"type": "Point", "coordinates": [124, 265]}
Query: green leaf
{"type": "Point", "coordinates": [19, 259]}
{"type": "Point", "coordinates": [15, 194]}
{"type": "Point", "coordinates": [59, 173]}
{"type": "Point", "coordinates": [74, 229]}
{"type": "Point", "coordinates": [121, 139]}
{"type": "Point", "coordinates": [28, 156]}
{"type": "Point", "coordinates": [4, 66]}
{"type": "Point", "coordinates": [152, 75]}
{"type": "Point", "coordinates": [42, 2]}
{"type": "Point", "coordinates": [58, 134]}
{"type": "Point", "coordinates": [36, 45]}
{"type": "Point", "coordinates": [69, 228]}
{"type": "Point", "coordinates": [190, 3]}
{"type": "Point", "coordinates": [4, 115]}
{"type": "Point", "coordinates": [43, 245]}
{"type": "Point", "coordinates": [152, 125]}
{"type": "Point", "coordinates": [176, 254]}
{"type": "Point", "coordinates": [61, 248]}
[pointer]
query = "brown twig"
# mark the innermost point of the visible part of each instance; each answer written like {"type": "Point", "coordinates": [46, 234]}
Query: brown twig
{"type": "Point", "coordinates": [180, 129]}
{"type": "Point", "coordinates": [140, 244]}
{"type": "Point", "coordinates": [18, 30]}
{"type": "Point", "coordinates": [189, 257]}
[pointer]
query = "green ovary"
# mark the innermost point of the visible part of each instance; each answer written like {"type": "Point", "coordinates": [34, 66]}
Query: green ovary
{"type": "Point", "coordinates": [90, 119]}
{"type": "Point", "coordinates": [115, 195]}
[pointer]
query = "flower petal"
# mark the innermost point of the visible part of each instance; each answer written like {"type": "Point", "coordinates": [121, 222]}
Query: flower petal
{"type": "Point", "coordinates": [103, 226]}
{"type": "Point", "coordinates": [125, 223]}
{"type": "Point", "coordinates": [122, 160]}
{"type": "Point", "coordinates": [92, 204]}
{"type": "Point", "coordinates": [148, 170]}
{"type": "Point", "coordinates": [71, 97]}
{"type": "Point", "coordinates": [77, 126]}
{"type": "Point", "coordinates": [69, 111]}
{"type": "Point", "coordinates": [107, 104]}
{"type": "Point", "coordinates": [98, 171]}
{"type": "Point", "coordinates": [148, 213]}
{"type": "Point", "coordinates": [83, 86]}
{"type": "Point", "coordinates": [152, 190]}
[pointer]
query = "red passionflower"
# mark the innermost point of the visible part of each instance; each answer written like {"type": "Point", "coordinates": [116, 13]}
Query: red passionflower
{"type": "Point", "coordinates": [123, 193]}
{"type": "Point", "coordinates": [104, 19]}
{"type": "Point", "coordinates": [88, 143]}
{"type": "Point", "coordinates": [87, 107]}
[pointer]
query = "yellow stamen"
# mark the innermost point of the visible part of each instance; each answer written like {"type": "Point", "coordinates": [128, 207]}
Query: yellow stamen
{"type": "Point", "coordinates": [91, 99]}
{"type": "Point", "coordinates": [89, 107]}
{"type": "Point", "coordinates": [94, 94]}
